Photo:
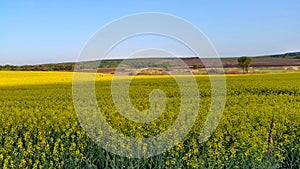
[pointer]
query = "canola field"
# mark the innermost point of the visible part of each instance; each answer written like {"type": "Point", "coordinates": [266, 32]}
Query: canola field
{"type": "Point", "coordinates": [259, 128]}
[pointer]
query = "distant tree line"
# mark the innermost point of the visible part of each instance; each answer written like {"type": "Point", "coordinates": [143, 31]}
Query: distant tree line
{"type": "Point", "coordinates": [60, 66]}
{"type": "Point", "coordinates": [46, 67]}
{"type": "Point", "coordinates": [291, 55]}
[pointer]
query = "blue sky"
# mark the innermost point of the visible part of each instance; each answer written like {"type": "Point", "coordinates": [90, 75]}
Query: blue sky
{"type": "Point", "coordinates": [33, 32]}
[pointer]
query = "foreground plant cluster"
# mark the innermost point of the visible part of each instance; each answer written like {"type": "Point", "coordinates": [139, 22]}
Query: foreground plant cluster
{"type": "Point", "coordinates": [259, 127]}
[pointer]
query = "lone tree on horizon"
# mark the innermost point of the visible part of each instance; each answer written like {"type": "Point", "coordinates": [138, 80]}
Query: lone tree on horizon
{"type": "Point", "coordinates": [245, 62]}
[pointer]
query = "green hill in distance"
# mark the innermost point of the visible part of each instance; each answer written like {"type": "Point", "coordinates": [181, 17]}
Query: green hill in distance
{"type": "Point", "coordinates": [276, 60]}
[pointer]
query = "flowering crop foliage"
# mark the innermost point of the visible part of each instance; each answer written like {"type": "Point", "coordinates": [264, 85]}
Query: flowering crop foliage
{"type": "Point", "coordinates": [259, 127]}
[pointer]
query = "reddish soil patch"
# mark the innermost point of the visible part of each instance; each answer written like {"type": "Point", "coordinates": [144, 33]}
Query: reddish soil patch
{"type": "Point", "coordinates": [106, 70]}
{"type": "Point", "coordinates": [227, 63]}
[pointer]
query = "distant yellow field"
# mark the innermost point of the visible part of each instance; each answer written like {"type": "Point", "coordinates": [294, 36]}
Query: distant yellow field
{"type": "Point", "coordinates": [16, 78]}
{"type": "Point", "coordinates": [12, 78]}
